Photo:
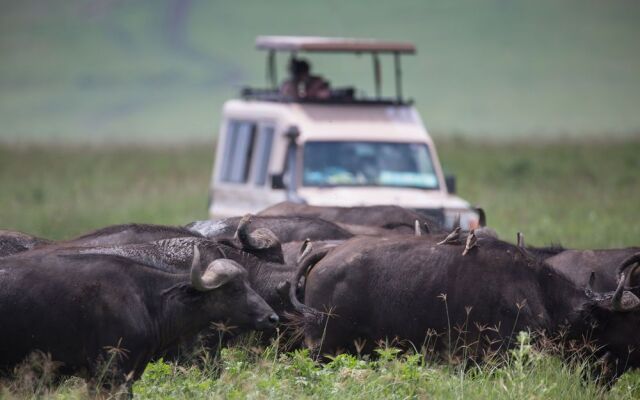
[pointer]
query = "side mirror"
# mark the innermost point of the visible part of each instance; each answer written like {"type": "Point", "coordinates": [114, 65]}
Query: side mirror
{"type": "Point", "coordinates": [285, 180]}
{"type": "Point", "coordinates": [277, 181]}
{"type": "Point", "coordinates": [482, 217]}
{"type": "Point", "coordinates": [450, 181]}
{"type": "Point", "coordinates": [292, 133]}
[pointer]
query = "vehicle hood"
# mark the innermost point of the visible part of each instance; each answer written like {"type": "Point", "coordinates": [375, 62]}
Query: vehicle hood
{"type": "Point", "coordinates": [371, 196]}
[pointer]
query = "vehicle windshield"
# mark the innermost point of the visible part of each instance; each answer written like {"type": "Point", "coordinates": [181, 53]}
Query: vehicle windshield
{"type": "Point", "coordinates": [342, 163]}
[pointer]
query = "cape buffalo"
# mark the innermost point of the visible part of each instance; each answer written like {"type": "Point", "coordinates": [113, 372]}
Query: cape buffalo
{"type": "Point", "coordinates": [368, 289]}
{"type": "Point", "coordinates": [174, 256]}
{"type": "Point", "coordinates": [77, 306]}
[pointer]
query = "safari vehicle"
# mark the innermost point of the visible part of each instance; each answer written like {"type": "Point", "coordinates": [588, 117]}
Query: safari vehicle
{"type": "Point", "coordinates": [334, 149]}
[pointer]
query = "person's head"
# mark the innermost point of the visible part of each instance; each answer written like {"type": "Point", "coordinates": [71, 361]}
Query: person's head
{"type": "Point", "coordinates": [299, 68]}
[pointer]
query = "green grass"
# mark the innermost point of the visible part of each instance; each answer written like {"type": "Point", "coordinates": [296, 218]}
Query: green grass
{"type": "Point", "coordinates": [59, 192]}
{"type": "Point", "coordinates": [579, 194]}
{"type": "Point", "coordinates": [523, 373]}
{"type": "Point", "coordinates": [246, 371]}
{"type": "Point", "coordinates": [582, 194]}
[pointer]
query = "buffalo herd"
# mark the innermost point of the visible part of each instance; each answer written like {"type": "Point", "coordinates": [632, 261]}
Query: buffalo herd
{"type": "Point", "coordinates": [342, 279]}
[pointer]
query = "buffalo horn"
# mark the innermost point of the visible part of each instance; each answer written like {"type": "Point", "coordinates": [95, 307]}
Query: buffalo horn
{"type": "Point", "coordinates": [218, 272]}
{"type": "Point", "coordinates": [243, 225]}
{"type": "Point", "coordinates": [628, 262]}
{"type": "Point", "coordinates": [304, 250]}
{"type": "Point", "coordinates": [624, 300]}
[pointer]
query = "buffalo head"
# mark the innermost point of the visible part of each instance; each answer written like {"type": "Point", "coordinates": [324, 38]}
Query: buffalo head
{"type": "Point", "coordinates": [615, 317]}
{"type": "Point", "coordinates": [225, 288]}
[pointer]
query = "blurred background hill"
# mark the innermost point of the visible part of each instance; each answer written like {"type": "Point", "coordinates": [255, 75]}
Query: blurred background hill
{"type": "Point", "coordinates": [122, 70]}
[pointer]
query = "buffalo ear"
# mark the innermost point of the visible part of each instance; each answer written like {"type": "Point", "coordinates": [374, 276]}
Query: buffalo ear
{"type": "Point", "coordinates": [218, 273]}
{"type": "Point", "coordinates": [262, 239]}
{"type": "Point", "coordinates": [259, 239]}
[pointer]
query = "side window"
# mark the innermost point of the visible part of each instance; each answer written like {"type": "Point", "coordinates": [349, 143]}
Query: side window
{"type": "Point", "coordinates": [263, 153]}
{"type": "Point", "coordinates": [229, 144]}
{"type": "Point", "coordinates": [238, 151]}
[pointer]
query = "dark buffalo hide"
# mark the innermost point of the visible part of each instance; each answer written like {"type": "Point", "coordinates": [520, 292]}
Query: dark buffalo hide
{"type": "Point", "coordinates": [577, 266]}
{"type": "Point", "coordinates": [76, 306]}
{"type": "Point", "coordinates": [370, 289]}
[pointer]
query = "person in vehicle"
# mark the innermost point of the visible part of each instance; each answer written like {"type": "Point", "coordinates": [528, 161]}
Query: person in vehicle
{"type": "Point", "coordinates": [302, 84]}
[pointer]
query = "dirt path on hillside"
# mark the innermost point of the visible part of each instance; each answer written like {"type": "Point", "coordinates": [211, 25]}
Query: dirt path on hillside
{"type": "Point", "coordinates": [176, 30]}
{"type": "Point", "coordinates": [174, 34]}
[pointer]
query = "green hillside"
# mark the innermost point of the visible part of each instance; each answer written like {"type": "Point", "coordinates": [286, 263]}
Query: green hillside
{"type": "Point", "coordinates": [161, 69]}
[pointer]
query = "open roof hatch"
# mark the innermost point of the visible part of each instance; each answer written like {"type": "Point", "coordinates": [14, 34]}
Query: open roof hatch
{"type": "Point", "coordinates": [294, 44]}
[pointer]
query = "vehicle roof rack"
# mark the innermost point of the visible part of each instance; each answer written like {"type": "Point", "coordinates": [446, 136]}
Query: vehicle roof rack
{"type": "Point", "coordinates": [329, 45]}
{"type": "Point", "coordinates": [274, 95]}
{"type": "Point", "coordinates": [294, 44]}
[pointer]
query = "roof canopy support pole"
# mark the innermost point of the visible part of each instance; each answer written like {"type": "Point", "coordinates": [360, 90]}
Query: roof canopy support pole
{"type": "Point", "coordinates": [398, 67]}
{"type": "Point", "coordinates": [272, 70]}
{"type": "Point", "coordinates": [377, 76]}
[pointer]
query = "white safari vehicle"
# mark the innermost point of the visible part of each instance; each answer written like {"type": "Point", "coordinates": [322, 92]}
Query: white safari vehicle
{"type": "Point", "coordinates": [333, 149]}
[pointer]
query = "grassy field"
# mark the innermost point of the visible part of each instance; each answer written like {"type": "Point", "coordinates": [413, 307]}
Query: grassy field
{"type": "Point", "coordinates": [117, 70]}
{"type": "Point", "coordinates": [581, 194]}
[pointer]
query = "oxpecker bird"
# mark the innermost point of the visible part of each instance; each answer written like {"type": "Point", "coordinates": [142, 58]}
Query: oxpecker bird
{"type": "Point", "coordinates": [472, 241]}
{"type": "Point", "coordinates": [452, 238]}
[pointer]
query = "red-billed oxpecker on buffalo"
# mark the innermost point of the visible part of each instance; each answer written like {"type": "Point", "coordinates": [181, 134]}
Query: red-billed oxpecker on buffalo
{"type": "Point", "coordinates": [77, 306]}
{"type": "Point", "coordinates": [371, 289]}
